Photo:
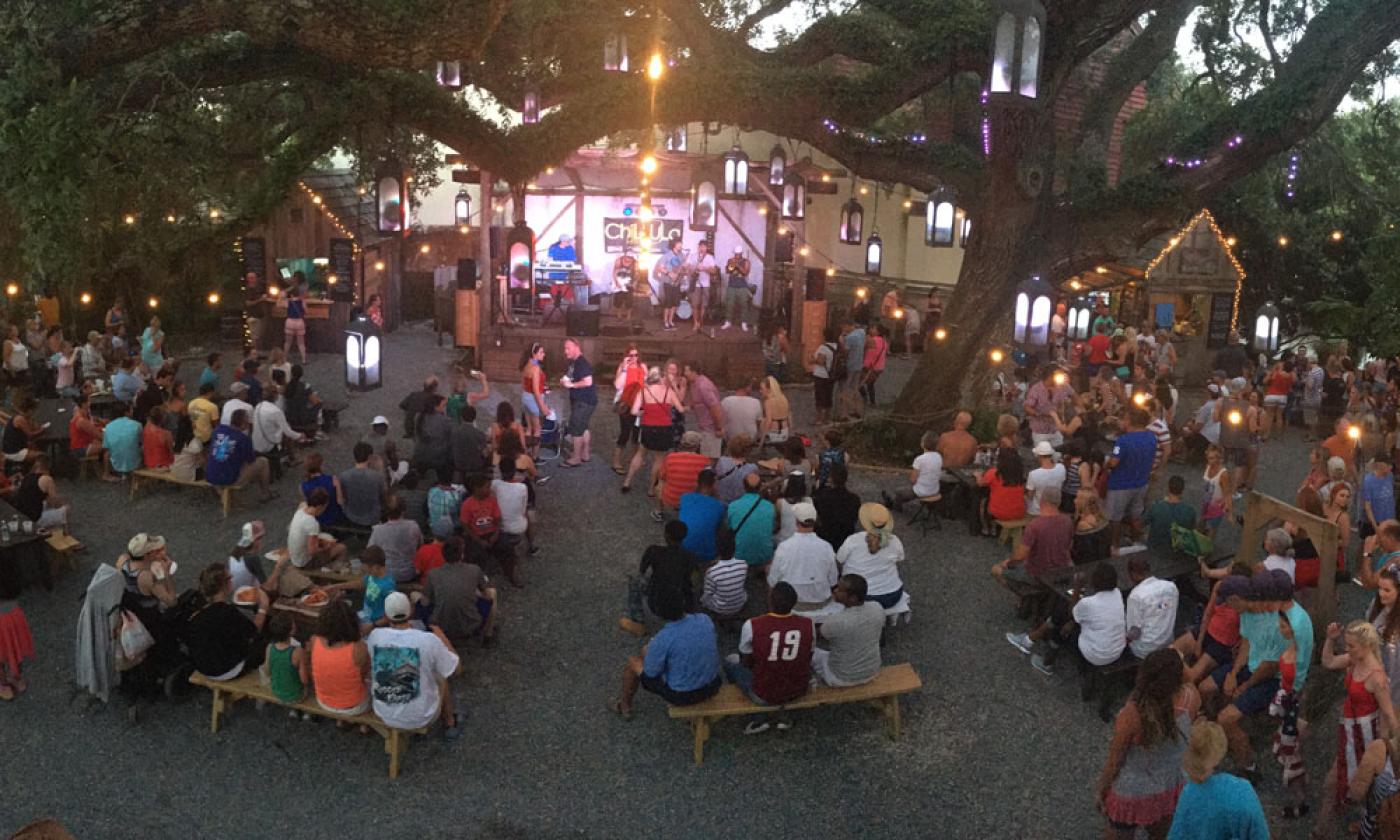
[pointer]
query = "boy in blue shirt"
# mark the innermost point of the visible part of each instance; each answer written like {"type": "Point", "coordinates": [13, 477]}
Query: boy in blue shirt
{"type": "Point", "coordinates": [1130, 467]}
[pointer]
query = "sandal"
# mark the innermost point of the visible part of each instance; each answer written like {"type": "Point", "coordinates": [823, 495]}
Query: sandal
{"type": "Point", "coordinates": [619, 470]}
{"type": "Point", "coordinates": [616, 707]}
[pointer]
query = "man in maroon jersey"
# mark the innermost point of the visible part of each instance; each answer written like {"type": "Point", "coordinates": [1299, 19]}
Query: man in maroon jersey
{"type": "Point", "coordinates": [773, 665]}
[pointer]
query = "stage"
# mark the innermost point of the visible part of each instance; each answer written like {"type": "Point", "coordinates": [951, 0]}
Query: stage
{"type": "Point", "coordinates": [731, 358]}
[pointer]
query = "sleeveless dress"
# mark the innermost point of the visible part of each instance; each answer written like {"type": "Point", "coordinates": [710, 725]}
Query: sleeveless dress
{"type": "Point", "coordinates": [1285, 708]}
{"type": "Point", "coordinates": [1213, 504]}
{"type": "Point", "coordinates": [1360, 725]}
{"type": "Point", "coordinates": [1150, 779]}
{"type": "Point", "coordinates": [16, 644]}
{"type": "Point", "coordinates": [1384, 786]}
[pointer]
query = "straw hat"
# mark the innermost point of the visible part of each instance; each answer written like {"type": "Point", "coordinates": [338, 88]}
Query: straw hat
{"type": "Point", "coordinates": [1204, 750]}
{"type": "Point", "coordinates": [875, 518]}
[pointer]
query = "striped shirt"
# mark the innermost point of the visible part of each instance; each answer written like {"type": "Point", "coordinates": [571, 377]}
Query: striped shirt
{"type": "Point", "coordinates": [724, 591]}
{"type": "Point", "coordinates": [1163, 432]}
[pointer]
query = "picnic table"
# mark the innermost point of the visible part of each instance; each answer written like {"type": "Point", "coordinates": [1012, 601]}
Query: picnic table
{"type": "Point", "coordinates": [1167, 564]}
{"type": "Point", "coordinates": [23, 549]}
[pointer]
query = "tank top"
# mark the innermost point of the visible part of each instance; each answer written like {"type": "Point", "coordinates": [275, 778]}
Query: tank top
{"type": "Point", "coordinates": [283, 678]}
{"type": "Point", "coordinates": [655, 413]}
{"type": "Point", "coordinates": [338, 681]}
{"type": "Point", "coordinates": [782, 656]}
{"type": "Point", "coordinates": [527, 380]}
{"type": "Point", "coordinates": [29, 498]}
{"type": "Point", "coordinates": [19, 357]}
{"type": "Point", "coordinates": [1224, 624]}
{"type": "Point", "coordinates": [1213, 496]}
{"type": "Point", "coordinates": [1359, 702]}
{"type": "Point", "coordinates": [296, 308]}
{"type": "Point", "coordinates": [14, 439]}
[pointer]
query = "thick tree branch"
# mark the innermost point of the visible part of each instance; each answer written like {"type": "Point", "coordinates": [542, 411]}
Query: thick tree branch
{"type": "Point", "coordinates": [1132, 66]}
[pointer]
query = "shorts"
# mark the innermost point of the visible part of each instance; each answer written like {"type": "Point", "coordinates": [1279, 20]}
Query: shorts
{"type": "Point", "coordinates": [657, 685]}
{"type": "Point", "coordinates": [1128, 504]}
{"type": "Point", "coordinates": [628, 430]}
{"type": "Point", "coordinates": [1237, 456]}
{"type": "Point", "coordinates": [527, 400]}
{"type": "Point", "coordinates": [1276, 399]}
{"type": "Point", "coordinates": [670, 296]}
{"type": "Point", "coordinates": [294, 326]}
{"type": "Point", "coordinates": [1253, 701]}
{"type": "Point", "coordinates": [711, 445]}
{"type": "Point", "coordinates": [658, 438]}
{"type": "Point", "coordinates": [822, 389]}
{"type": "Point", "coordinates": [1216, 650]}
{"type": "Point", "coordinates": [579, 415]}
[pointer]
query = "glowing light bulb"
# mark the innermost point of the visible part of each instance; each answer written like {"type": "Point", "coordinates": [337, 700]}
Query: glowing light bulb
{"type": "Point", "coordinates": [648, 165]}
{"type": "Point", "coordinates": [170, 218]}
{"type": "Point", "coordinates": [425, 248]}
{"type": "Point", "coordinates": [129, 219]}
{"type": "Point", "coordinates": [645, 214]}
{"type": "Point", "coordinates": [826, 177]}
{"type": "Point", "coordinates": [316, 199]}
{"type": "Point", "coordinates": [273, 291]}
{"type": "Point", "coordinates": [908, 205]}
{"type": "Point", "coordinates": [940, 334]}
{"type": "Point", "coordinates": [1230, 241]}
{"type": "Point", "coordinates": [997, 356]}
{"type": "Point", "coordinates": [1235, 417]}
{"type": "Point", "coordinates": [1100, 269]}
{"type": "Point", "coordinates": [1139, 399]}
{"type": "Point", "coordinates": [214, 298]}
{"type": "Point", "coordinates": [214, 213]}
{"type": "Point", "coordinates": [465, 229]}
{"type": "Point", "coordinates": [1354, 432]}
{"type": "Point", "coordinates": [899, 314]}
{"type": "Point", "coordinates": [804, 251]}
{"type": "Point", "coordinates": [655, 67]}
{"type": "Point", "coordinates": [763, 210]}
{"type": "Point", "coordinates": [1060, 378]}
{"type": "Point", "coordinates": [378, 265]}
{"type": "Point", "coordinates": [1075, 285]}
{"type": "Point", "coordinates": [331, 279]}
{"type": "Point", "coordinates": [1283, 242]}
{"type": "Point", "coordinates": [782, 231]}
{"type": "Point", "coordinates": [1336, 236]}
{"type": "Point", "coordinates": [360, 191]}
{"type": "Point", "coordinates": [549, 170]}
{"type": "Point", "coordinates": [831, 272]}
{"type": "Point", "coordinates": [153, 302]}
{"type": "Point", "coordinates": [85, 298]}
{"type": "Point", "coordinates": [12, 289]}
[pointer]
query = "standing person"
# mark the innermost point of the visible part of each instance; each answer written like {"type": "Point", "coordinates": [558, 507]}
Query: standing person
{"type": "Point", "coordinates": [668, 270]}
{"type": "Point", "coordinates": [853, 345]}
{"type": "Point", "coordinates": [532, 397]}
{"type": "Point", "coordinates": [823, 378]}
{"type": "Point", "coordinates": [210, 375]}
{"type": "Point", "coordinates": [743, 413]}
{"type": "Point", "coordinates": [232, 460]}
{"type": "Point", "coordinates": [627, 384]}
{"type": "Point", "coordinates": [1046, 475]}
{"type": "Point", "coordinates": [838, 509]}
{"type": "Point", "coordinates": [703, 397]}
{"type": "Point", "coordinates": [1214, 806]}
{"type": "Point", "coordinates": [774, 662]}
{"type": "Point", "coordinates": [1217, 498]}
{"type": "Point", "coordinates": [737, 293]}
{"type": "Point", "coordinates": [706, 274]}
{"type": "Point", "coordinates": [1130, 466]}
{"type": "Point", "coordinates": [294, 329]}
{"type": "Point", "coordinates": [91, 360]}
{"type": "Point", "coordinates": [775, 354]}
{"type": "Point", "coordinates": [1043, 401]}
{"type": "Point", "coordinates": [877, 350]}
{"type": "Point", "coordinates": [1277, 385]}
{"type": "Point", "coordinates": [433, 448]}
{"type": "Point", "coordinates": [16, 359]}
{"type": "Point", "coordinates": [1141, 777]}
{"type": "Point", "coordinates": [583, 399]}
{"type": "Point", "coordinates": [892, 320]}
{"type": "Point", "coordinates": [409, 669]}
{"type": "Point", "coordinates": [1285, 706]}
{"type": "Point", "coordinates": [1377, 496]}
{"type": "Point", "coordinates": [652, 406]}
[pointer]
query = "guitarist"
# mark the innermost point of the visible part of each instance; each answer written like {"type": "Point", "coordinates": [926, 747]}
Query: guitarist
{"type": "Point", "coordinates": [669, 269]}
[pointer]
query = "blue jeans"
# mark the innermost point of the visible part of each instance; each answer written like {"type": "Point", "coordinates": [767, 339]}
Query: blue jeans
{"type": "Point", "coordinates": [743, 678]}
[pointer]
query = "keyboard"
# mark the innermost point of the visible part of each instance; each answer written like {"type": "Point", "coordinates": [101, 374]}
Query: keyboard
{"type": "Point", "coordinates": [557, 265]}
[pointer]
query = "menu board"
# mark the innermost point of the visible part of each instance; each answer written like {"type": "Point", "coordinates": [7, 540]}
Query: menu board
{"type": "Point", "coordinates": [255, 260]}
{"type": "Point", "coordinates": [343, 267]}
{"type": "Point", "coordinates": [1218, 330]}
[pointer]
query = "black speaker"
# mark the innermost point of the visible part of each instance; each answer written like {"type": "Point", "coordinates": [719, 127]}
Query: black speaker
{"type": "Point", "coordinates": [466, 275]}
{"type": "Point", "coordinates": [816, 284]}
{"type": "Point", "coordinates": [581, 321]}
{"type": "Point", "coordinates": [782, 247]}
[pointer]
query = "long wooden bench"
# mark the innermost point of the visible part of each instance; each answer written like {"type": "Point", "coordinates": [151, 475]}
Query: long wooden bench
{"type": "Point", "coordinates": [224, 493]}
{"type": "Point", "coordinates": [249, 686]}
{"type": "Point", "coordinates": [882, 692]}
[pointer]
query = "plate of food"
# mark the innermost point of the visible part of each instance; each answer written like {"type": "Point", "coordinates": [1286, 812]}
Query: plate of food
{"type": "Point", "coordinates": [315, 598]}
{"type": "Point", "coordinates": [246, 596]}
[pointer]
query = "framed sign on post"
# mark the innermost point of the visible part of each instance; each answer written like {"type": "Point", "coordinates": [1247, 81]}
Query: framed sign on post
{"type": "Point", "coordinates": [341, 279]}
{"type": "Point", "coordinates": [1218, 329]}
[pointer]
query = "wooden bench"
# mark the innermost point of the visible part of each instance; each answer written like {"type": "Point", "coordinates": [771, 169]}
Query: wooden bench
{"type": "Point", "coordinates": [882, 692]}
{"type": "Point", "coordinates": [225, 493]}
{"type": "Point", "coordinates": [1098, 681]}
{"type": "Point", "coordinates": [249, 685]}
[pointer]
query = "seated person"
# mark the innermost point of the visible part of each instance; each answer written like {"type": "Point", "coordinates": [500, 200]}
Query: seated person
{"type": "Point", "coordinates": [923, 478]}
{"type": "Point", "coordinates": [340, 662]}
{"type": "Point", "coordinates": [669, 567]}
{"type": "Point", "coordinates": [286, 667]}
{"type": "Point", "coordinates": [121, 445]}
{"type": "Point", "coordinates": [232, 461]}
{"type": "Point", "coordinates": [307, 547]}
{"type": "Point", "coordinates": [37, 497]}
{"type": "Point", "coordinates": [1006, 490]}
{"type": "Point", "coordinates": [303, 405]}
{"type": "Point", "coordinates": [731, 469]}
{"type": "Point", "coordinates": [774, 662]}
{"type": "Point", "coordinates": [680, 664]}
{"type": "Point", "coordinates": [838, 509]}
{"type": "Point", "coordinates": [957, 446]}
{"type": "Point", "coordinates": [1091, 533]}
{"type": "Point", "coordinates": [458, 598]}
{"type": "Point", "coordinates": [1164, 513]}
{"type": "Point", "coordinates": [222, 641]}
{"type": "Point", "coordinates": [409, 669]}
{"type": "Point", "coordinates": [806, 562]}
{"type": "Point", "coordinates": [377, 583]}
{"type": "Point", "coordinates": [21, 430]}
{"type": "Point", "coordinates": [362, 489]}
{"type": "Point", "coordinates": [1213, 641]}
{"type": "Point", "coordinates": [678, 474]}
{"type": "Point", "coordinates": [1045, 546]}
{"type": "Point", "coordinates": [204, 413]}
{"type": "Point", "coordinates": [126, 383]}
{"type": "Point", "coordinates": [429, 555]}
{"type": "Point", "coordinates": [157, 444]}
{"type": "Point", "coordinates": [445, 501]}
{"type": "Point", "coordinates": [388, 461]}
{"type": "Point", "coordinates": [513, 497]}
{"type": "Point", "coordinates": [481, 524]}
{"type": "Point", "coordinates": [1095, 621]}
{"type": "Point", "coordinates": [84, 430]}
{"type": "Point", "coordinates": [1151, 612]}
{"type": "Point", "coordinates": [399, 538]}
{"type": "Point", "coordinates": [317, 478]}
{"type": "Point", "coordinates": [414, 499]}
{"type": "Point", "coordinates": [853, 635]}
{"type": "Point", "coordinates": [724, 594]}
{"type": "Point", "coordinates": [154, 394]}
{"type": "Point", "coordinates": [701, 512]}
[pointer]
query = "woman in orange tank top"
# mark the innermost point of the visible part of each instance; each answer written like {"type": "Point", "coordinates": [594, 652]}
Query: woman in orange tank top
{"type": "Point", "coordinates": [340, 663]}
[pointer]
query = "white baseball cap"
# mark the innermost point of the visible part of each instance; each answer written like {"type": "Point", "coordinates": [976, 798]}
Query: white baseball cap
{"type": "Point", "coordinates": [379, 420]}
{"type": "Point", "coordinates": [397, 607]}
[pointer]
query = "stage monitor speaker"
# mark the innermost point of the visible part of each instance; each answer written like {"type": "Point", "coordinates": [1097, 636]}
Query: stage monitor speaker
{"type": "Point", "coordinates": [782, 247]}
{"type": "Point", "coordinates": [466, 275]}
{"type": "Point", "coordinates": [581, 321]}
{"type": "Point", "coordinates": [816, 284]}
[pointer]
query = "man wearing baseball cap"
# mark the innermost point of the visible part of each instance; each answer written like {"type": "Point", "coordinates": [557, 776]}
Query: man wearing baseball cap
{"type": "Point", "coordinates": [806, 561]}
{"type": "Point", "coordinates": [1045, 476]}
{"type": "Point", "coordinates": [409, 670]}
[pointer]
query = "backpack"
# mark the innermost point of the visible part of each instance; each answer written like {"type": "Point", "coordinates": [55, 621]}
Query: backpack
{"type": "Point", "coordinates": [838, 368]}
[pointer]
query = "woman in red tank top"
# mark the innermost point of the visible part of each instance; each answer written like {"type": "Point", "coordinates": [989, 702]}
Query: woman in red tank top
{"type": "Point", "coordinates": [627, 384]}
{"type": "Point", "coordinates": [652, 406]}
{"type": "Point", "coordinates": [1367, 713]}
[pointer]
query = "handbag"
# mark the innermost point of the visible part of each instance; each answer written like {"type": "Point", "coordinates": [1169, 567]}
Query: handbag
{"type": "Point", "coordinates": [133, 639]}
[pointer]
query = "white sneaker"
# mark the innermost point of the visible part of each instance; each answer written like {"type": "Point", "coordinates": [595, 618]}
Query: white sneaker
{"type": "Point", "coordinates": [726, 325]}
{"type": "Point", "coordinates": [1038, 662]}
{"type": "Point", "coordinates": [1020, 641]}
{"type": "Point", "coordinates": [756, 727]}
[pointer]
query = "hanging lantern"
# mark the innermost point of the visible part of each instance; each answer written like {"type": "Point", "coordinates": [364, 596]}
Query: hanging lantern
{"type": "Point", "coordinates": [1017, 45]}
{"type": "Point", "coordinates": [530, 111]}
{"type": "Point", "coordinates": [703, 205]}
{"type": "Point", "coordinates": [1080, 316]}
{"type": "Point", "coordinates": [736, 172]}
{"type": "Point", "coordinates": [938, 219]}
{"type": "Point", "coordinates": [852, 220]}
{"type": "Point", "coordinates": [777, 166]}
{"type": "Point", "coordinates": [676, 139]}
{"type": "Point", "coordinates": [1034, 302]}
{"type": "Point", "coordinates": [362, 346]}
{"type": "Point", "coordinates": [1266, 329]}
{"type": "Point", "coordinates": [390, 200]}
{"type": "Point", "coordinates": [966, 232]}
{"type": "Point", "coordinates": [462, 208]}
{"type": "Point", "coordinates": [449, 74]}
{"type": "Point", "coordinates": [615, 53]}
{"type": "Point", "coordinates": [874, 253]}
{"type": "Point", "coordinates": [794, 197]}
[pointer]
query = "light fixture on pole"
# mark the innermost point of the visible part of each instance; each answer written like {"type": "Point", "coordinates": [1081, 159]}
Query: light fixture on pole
{"type": "Point", "coordinates": [462, 208]}
{"type": "Point", "coordinates": [736, 172]}
{"type": "Point", "coordinates": [1017, 46]}
{"type": "Point", "coordinates": [1034, 301]}
{"type": "Point", "coordinates": [1266, 322]}
{"type": "Point", "coordinates": [777, 166]}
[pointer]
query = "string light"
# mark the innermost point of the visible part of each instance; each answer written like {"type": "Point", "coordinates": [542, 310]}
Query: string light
{"type": "Point", "coordinates": [1225, 243]}
{"type": "Point", "coordinates": [655, 67]}
{"type": "Point", "coordinates": [1283, 242]}
{"type": "Point", "coordinates": [1291, 179]}
{"type": "Point", "coordinates": [940, 334]}
{"type": "Point", "coordinates": [214, 213]}
{"type": "Point", "coordinates": [424, 248]}
{"type": "Point", "coordinates": [831, 271]}
{"type": "Point", "coordinates": [986, 125]}
{"type": "Point", "coordinates": [153, 302]}
{"type": "Point", "coordinates": [997, 356]}
{"type": "Point", "coordinates": [804, 251]}
{"type": "Point", "coordinates": [378, 265]}
{"type": "Point", "coordinates": [1234, 141]}
{"type": "Point", "coordinates": [319, 201]}
{"type": "Point", "coordinates": [331, 279]}
{"type": "Point", "coordinates": [648, 165]}
{"type": "Point", "coordinates": [1235, 417]}
{"type": "Point", "coordinates": [129, 219]}
{"type": "Point", "coordinates": [12, 289]}
{"type": "Point", "coordinates": [872, 138]}
{"type": "Point", "coordinates": [85, 298]}
{"type": "Point", "coordinates": [170, 218]}
{"type": "Point", "coordinates": [1337, 236]}
{"type": "Point", "coordinates": [214, 298]}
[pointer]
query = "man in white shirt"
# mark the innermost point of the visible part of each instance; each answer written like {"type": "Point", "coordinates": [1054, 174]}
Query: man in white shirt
{"type": "Point", "coordinates": [1151, 612]}
{"type": "Point", "coordinates": [806, 561]}
{"type": "Point", "coordinates": [742, 414]}
{"type": "Point", "coordinates": [237, 391]}
{"type": "Point", "coordinates": [306, 546]}
{"type": "Point", "coordinates": [409, 670]}
{"type": "Point", "coordinates": [923, 478]}
{"type": "Point", "coordinates": [270, 428]}
{"type": "Point", "coordinates": [1047, 474]}
{"type": "Point", "coordinates": [706, 275]}
{"type": "Point", "coordinates": [513, 498]}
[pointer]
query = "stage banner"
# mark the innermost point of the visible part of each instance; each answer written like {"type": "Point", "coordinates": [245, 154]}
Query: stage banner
{"type": "Point", "coordinates": [622, 230]}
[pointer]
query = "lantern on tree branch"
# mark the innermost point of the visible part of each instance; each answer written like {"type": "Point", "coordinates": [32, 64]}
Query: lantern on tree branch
{"type": "Point", "coordinates": [615, 53]}
{"type": "Point", "coordinates": [777, 166]}
{"type": "Point", "coordinates": [1266, 322]}
{"type": "Point", "coordinates": [852, 220]}
{"type": "Point", "coordinates": [736, 173]}
{"type": "Point", "coordinates": [1034, 302]}
{"type": "Point", "coordinates": [390, 200]}
{"type": "Point", "coordinates": [1017, 47]}
{"type": "Point", "coordinates": [938, 218]}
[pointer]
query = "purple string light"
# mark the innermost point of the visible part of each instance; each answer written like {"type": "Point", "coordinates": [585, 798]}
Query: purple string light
{"type": "Point", "coordinates": [1291, 188]}
{"type": "Point", "coordinates": [986, 126]}
{"type": "Point", "coordinates": [1172, 161]}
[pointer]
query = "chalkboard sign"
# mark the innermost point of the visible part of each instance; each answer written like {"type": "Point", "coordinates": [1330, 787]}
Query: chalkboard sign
{"type": "Point", "coordinates": [343, 267]}
{"type": "Point", "coordinates": [255, 261]}
{"type": "Point", "coordinates": [1218, 330]}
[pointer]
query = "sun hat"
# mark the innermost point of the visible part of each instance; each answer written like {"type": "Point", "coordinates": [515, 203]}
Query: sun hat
{"type": "Point", "coordinates": [252, 532]}
{"type": "Point", "coordinates": [397, 607]}
{"type": "Point", "coordinates": [379, 420]}
{"type": "Point", "coordinates": [875, 519]}
{"type": "Point", "coordinates": [143, 544]}
{"type": "Point", "coordinates": [1044, 449]}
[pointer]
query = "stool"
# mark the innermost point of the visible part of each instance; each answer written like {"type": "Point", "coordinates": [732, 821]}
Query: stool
{"type": "Point", "coordinates": [1098, 680]}
{"type": "Point", "coordinates": [62, 551]}
{"type": "Point", "coordinates": [90, 464]}
{"type": "Point", "coordinates": [928, 513]}
{"type": "Point", "coordinates": [1011, 531]}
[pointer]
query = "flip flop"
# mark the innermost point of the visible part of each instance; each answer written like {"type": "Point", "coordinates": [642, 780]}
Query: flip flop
{"type": "Point", "coordinates": [570, 464]}
{"type": "Point", "coordinates": [615, 706]}
{"type": "Point", "coordinates": [619, 471]}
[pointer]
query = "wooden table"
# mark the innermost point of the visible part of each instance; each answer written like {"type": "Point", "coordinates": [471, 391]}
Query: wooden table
{"type": "Point", "coordinates": [24, 551]}
{"type": "Point", "coordinates": [1166, 565]}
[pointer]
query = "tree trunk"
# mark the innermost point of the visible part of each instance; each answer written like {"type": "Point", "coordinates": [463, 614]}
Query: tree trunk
{"type": "Point", "coordinates": [1009, 242]}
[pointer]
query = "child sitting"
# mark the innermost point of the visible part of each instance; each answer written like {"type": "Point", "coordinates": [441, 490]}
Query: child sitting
{"type": "Point", "coordinates": [377, 583]}
{"type": "Point", "coordinates": [287, 666]}
{"type": "Point", "coordinates": [830, 456]}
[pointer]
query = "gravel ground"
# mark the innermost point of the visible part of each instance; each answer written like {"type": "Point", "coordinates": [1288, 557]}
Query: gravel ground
{"type": "Point", "coordinates": [990, 749]}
